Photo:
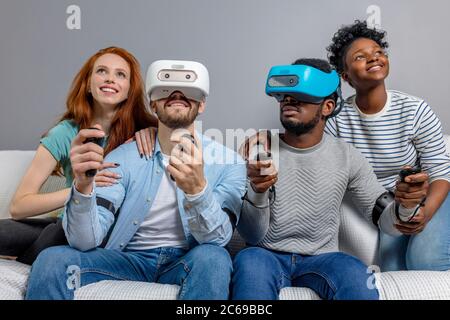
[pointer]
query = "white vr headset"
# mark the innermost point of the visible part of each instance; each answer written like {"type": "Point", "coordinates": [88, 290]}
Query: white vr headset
{"type": "Point", "coordinates": [167, 76]}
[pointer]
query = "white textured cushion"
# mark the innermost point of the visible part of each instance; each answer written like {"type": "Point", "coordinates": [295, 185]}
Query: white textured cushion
{"type": "Point", "coordinates": [414, 285]}
{"type": "Point", "coordinates": [13, 165]}
{"type": "Point", "coordinates": [357, 236]}
{"type": "Point", "coordinates": [292, 293]}
{"type": "Point", "coordinates": [13, 279]}
{"type": "Point", "coordinates": [127, 290]}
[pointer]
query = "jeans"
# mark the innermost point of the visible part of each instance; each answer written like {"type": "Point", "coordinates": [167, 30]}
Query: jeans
{"type": "Point", "coordinates": [26, 238]}
{"type": "Point", "coordinates": [203, 272]}
{"type": "Point", "coordinates": [260, 274]}
{"type": "Point", "coordinates": [428, 250]}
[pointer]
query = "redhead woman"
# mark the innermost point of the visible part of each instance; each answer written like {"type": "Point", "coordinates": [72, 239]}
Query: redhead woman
{"type": "Point", "coordinates": [106, 93]}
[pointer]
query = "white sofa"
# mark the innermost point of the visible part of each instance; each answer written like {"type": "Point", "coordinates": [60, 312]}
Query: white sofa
{"type": "Point", "coordinates": [357, 237]}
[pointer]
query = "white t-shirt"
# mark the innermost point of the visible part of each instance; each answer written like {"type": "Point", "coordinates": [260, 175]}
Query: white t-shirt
{"type": "Point", "coordinates": [162, 226]}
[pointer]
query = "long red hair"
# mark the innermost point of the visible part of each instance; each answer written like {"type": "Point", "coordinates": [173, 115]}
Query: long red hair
{"type": "Point", "coordinates": [132, 115]}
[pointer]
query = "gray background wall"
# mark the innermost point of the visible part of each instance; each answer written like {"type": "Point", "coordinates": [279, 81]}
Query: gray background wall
{"type": "Point", "coordinates": [238, 40]}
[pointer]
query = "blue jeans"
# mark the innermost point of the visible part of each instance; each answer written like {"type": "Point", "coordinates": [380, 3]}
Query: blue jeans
{"type": "Point", "coordinates": [203, 272]}
{"type": "Point", "coordinates": [260, 274]}
{"type": "Point", "coordinates": [428, 250]}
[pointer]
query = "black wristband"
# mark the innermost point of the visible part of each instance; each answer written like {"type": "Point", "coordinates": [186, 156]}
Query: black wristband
{"type": "Point", "coordinates": [108, 205]}
{"type": "Point", "coordinates": [271, 198]}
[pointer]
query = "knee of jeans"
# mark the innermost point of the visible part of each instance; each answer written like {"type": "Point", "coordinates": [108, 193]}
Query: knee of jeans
{"type": "Point", "coordinates": [248, 258]}
{"type": "Point", "coordinates": [53, 259]}
{"type": "Point", "coordinates": [354, 279]}
{"type": "Point", "coordinates": [212, 257]}
{"type": "Point", "coordinates": [426, 260]}
{"type": "Point", "coordinates": [350, 265]}
{"type": "Point", "coordinates": [429, 250]}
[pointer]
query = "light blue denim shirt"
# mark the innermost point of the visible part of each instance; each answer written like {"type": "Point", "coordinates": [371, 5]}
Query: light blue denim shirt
{"type": "Point", "coordinates": [205, 219]}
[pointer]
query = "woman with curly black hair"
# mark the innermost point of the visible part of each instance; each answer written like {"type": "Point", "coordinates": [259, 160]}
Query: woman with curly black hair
{"type": "Point", "coordinates": [394, 129]}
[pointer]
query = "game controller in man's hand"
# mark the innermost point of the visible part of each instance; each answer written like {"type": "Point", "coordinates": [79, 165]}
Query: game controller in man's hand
{"type": "Point", "coordinates": [190, 137]}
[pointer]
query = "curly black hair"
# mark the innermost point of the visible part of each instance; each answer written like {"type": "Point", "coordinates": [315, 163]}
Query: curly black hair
{"type": "Point", "coordinates": [345, 36]}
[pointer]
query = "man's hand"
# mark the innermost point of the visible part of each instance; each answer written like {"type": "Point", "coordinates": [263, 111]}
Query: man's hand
{"type": "Point", "coordinates": [261, 182]}
{"type": "Point", "coordinates": [186, 166]}
{"type": "Point", "coordinates": [84, 157]}
{"type": "Point", "coordinates": [262, 138]}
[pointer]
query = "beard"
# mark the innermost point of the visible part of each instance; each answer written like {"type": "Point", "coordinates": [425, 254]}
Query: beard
{"type": "Point", "coordinates": [177, 120]}
{"type": "Point", "coordinates": [299, 128]}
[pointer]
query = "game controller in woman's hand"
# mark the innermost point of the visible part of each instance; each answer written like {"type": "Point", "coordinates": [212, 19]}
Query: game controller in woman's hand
{"type": "Point", "coordinates": [98, 141]}
{"type": "Point", "coordinates": [409, 171]}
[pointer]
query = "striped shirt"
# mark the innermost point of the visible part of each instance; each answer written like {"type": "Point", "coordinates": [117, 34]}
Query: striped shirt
{"type": "Point", "coordinates": [405, 132]}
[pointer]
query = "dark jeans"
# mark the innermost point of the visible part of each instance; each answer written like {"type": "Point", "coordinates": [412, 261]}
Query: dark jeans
{"type": "Point", "coordinates": [26, 238]}
{"type": "Point", "coordinates": [260, 274]}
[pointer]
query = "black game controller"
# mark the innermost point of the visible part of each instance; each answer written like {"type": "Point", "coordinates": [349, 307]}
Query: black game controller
{"type": "Point", "coordinates": [190, 137]}
{"type": "Point", "coordinates": [260, 154]}
{"type": "Point", "coordinates": [410, 171]}
{"type": "Point", "coordinates": [263, 156]}
{"type": "Point", "coordinates": [98, 141]}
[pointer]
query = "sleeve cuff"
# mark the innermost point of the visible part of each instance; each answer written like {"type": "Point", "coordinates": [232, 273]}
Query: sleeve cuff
{"type": "Point", "coordinates": [259, 199]}
{"type": "Point", "coordinates": [78, 201]}
{"type": "Point", "coordinates": [193, 197]}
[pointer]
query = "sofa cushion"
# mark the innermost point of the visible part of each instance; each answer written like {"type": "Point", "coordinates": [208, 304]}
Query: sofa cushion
{"type": "Point", "coordinates": [13, 166]}
{"type": "Point", "coordinates": [127, 290]}
{"type": "Point", "coordinates": [357, 236]}
{"type": "Point", "coordinates": [413, 285]}
{"type": "Point", "coordinates": [13, 279]}
{"type": "Point", "coordinates": [130, 290]}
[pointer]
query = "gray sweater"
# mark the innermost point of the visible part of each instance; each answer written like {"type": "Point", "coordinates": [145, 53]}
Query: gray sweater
{"type": "Point", "coordinates": [305, 216]}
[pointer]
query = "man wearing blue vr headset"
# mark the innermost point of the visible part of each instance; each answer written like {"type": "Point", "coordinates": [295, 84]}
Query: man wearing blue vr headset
{"type": "Point", "coordinates": [291, 214]}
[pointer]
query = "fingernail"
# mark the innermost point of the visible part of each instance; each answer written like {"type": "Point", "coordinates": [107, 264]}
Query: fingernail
{"type": "Point", "coordinates": [141, 155]}
{"type": "Point", "coordinates": [118, 176]}
{"type": "Point", "coordinates": [146, 158]}
{"type": "Point", "coordinates": [117, 164]}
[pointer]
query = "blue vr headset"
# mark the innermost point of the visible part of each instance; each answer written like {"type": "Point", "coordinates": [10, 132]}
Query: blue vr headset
{"type": "Point", "coordinates": [304, 83]}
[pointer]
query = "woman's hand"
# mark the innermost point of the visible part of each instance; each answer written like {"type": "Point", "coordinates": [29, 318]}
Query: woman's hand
{"type": "Point", "coordinates": [145, 141]}
{"type": "Point", "coordinates": [86, 156]}
{"type": "Point", "coordinates": [107, 178]}
{"type": "Point", "coordinates": [412, 192]}
{"type": "Point", "coordinates": [416, 225]}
